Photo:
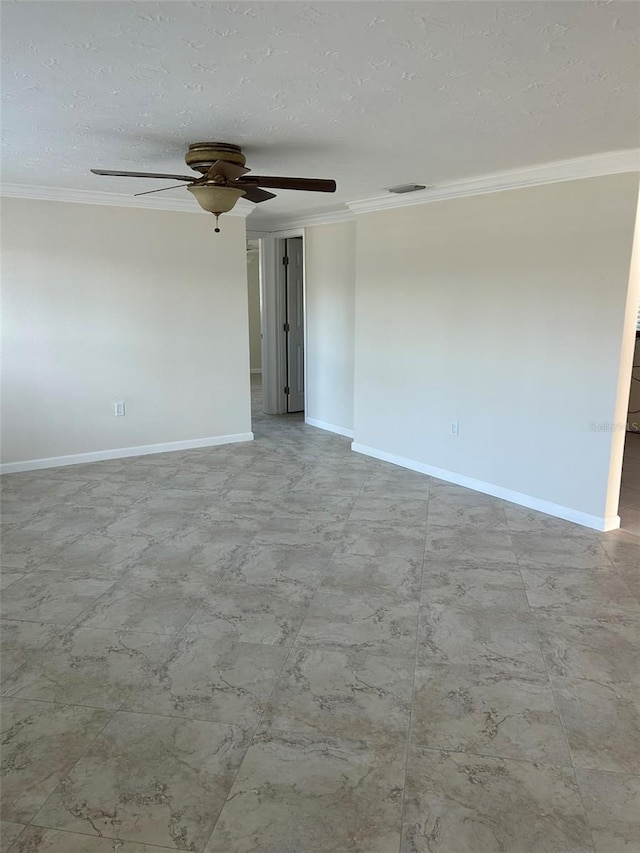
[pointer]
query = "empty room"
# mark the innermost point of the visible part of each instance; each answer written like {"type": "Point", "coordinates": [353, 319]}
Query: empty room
{"type": "Point", "coordinates": [320, 443]}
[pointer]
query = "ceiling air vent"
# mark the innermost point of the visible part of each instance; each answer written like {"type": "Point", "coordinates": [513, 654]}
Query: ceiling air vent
{"type": "Point", "coordinates": [407, 188]}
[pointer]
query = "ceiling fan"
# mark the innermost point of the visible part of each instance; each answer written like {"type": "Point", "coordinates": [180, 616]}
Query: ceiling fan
{"type": "Point", "coordinates": [223, 178]}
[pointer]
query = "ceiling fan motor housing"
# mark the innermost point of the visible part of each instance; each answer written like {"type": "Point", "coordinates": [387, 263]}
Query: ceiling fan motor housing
{"type": "Point", "coordinates": [202, 155]}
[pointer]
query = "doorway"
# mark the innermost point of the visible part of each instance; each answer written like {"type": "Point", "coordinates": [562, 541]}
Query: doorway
{"type": "Point", "coordinates": [294, 324]}
{"type": "Point", "coordinates": [255, 327]}
{"type": "Point", "coordinates": [282, 290]}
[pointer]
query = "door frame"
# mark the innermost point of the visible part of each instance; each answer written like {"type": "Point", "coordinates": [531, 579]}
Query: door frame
{"type": "Point", "coordinates": [272, 296]}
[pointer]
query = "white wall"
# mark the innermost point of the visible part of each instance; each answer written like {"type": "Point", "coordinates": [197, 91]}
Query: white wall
{"type": "Point", "coordinates": [503, 312]}
{"type": "Point", "coordinates": [253, 285]}
{"type": "Point", "coordinates": [103, 304]}
{"type": "Point", "coordinates": [330, 288]}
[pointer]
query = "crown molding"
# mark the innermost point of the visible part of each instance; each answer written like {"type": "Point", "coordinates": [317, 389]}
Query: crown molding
{"type": "Point", "coordinates": [187, 205]}
{"type": "Point", "coordinates": [593, 166]}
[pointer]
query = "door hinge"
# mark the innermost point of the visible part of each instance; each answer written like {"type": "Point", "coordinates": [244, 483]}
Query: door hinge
{"type": "Point", "coordinates": [286, 390]}
{"type": "Point", "coordinates": [285, 261]}
{"type": "Point", "coordinates": [286, 327]}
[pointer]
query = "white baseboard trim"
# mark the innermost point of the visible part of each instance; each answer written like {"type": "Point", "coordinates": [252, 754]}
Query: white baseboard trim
{"type": "Point", "coordinates": [122, 453]}
{"type": "Point", "coordinates": [256, 370]}
{"type": "Point", "coordinates": [595, 522]}
{"type": "Point", "coordinates": [329, 427]}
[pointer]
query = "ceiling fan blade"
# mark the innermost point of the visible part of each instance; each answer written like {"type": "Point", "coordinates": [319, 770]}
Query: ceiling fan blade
{"type": "Point", "coordinates": [231, 171]}
{"type": "Point", "coordinates": [317, 185]}
{"type": "Point", "coordinates": [161, 190]}
{"type": "Point", "coordinates": [145, 175]}
{"type": "Point", "coordinates": [257, 195]}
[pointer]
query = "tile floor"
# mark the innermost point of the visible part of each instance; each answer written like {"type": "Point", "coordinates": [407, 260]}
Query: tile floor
{"type": "Point", "coordinates": [286, 647]}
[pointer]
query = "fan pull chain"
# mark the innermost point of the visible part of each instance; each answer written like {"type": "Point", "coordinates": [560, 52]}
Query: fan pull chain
{"type": "Point", "coordinates": [216, 229]}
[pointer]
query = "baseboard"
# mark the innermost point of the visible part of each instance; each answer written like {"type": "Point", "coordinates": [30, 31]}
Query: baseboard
{"type": "Point", "coordinates": [122, 453]}
{"type": "Point", "coordinates": [595, 522]}
{"type": "Point", "coordinates": [255, 370]}
{"type": "Point", "coordinates": [329, 427]}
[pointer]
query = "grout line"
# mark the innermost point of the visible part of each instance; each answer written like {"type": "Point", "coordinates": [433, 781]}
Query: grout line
{"type": "Point", "coordinates": [116, 839]}
{"type": "Point", "coordinates": [553, 693]}
{"type": "Point", "coordinates": [413, 685]}
{"type": "Point", "coordinates": [265, 703]}
{"type": "Point", "coordinates": [72, 767]}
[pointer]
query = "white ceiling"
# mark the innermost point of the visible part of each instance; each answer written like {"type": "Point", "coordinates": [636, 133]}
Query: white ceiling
{"type": "Point", "coordinates": [372, 94]}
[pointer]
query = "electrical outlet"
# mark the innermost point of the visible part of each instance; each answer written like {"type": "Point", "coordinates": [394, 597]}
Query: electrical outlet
{"type": "Point", "coordinates": [455, 427]}
{"type": "Point", "coordinates": [119, 409]}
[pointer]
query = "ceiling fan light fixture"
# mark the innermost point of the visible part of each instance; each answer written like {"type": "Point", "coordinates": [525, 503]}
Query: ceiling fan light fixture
{"type": "Point", "coordinates": [214, 198]}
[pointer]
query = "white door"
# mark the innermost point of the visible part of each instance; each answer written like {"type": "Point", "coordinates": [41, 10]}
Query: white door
{"type": "Point", "coordinates": [294, 325]}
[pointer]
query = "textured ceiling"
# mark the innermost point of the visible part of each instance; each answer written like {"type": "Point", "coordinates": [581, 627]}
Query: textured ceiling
{"type": "Point", "coordinates": [371, 94]}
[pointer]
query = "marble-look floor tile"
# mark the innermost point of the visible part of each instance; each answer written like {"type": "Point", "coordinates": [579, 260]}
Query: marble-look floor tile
{"type": "Point", "coordinates": [477, 545]}
{"type": "Point", "coordinates": [7, 577]}
{"type": "Point", "coordinates": [191, 552]}
{"type": "Point", "coordinates": [467, 514]}
{"type": "Point", "coordinates": [579, 592]}
{"type": "Point", "coordinates": [150, 779]}
{"type": "Point", "coordinates": [307, 503]}
{"type": "Point", "coordinates": [381, 540]}
{"type": "Point", "coordinates": [116, 494]}
{"type": "Point", "coordinates": [444, 492]}
{"type": "Point", "coordinates": [16, 510]}
{"type": "Point", "coordinates": [250, 614]}
{"type": "Point", "coordinates": [39, 487]}
{"type": "Point", "coordinates": [629, 497]}
{"type": "Point", "coordinates": [480, 636]}
{"type": "Point", "coordinates": [342, 693]}
{"type": "Point", "coordinates": [114, 469]}
{"type": "Point", "coordinates": [350, 574]}
{"type": "Point", "coordinates": [71, 518]}
{"type": "Point", "coordinates": [292, 570]}
{"type": "Point", "coordinates": [612, 803]}
{"type": "Point", "coordinates": [523, 520]}
{"type": "Point", "coordinates": [461, 803]}
{"type": "Point", "coordinates": [313, 793]}
{"type": "Point", "coordinates": [209, 679]}
{"type": "Point", "coordinates": [26, 549]}
{"type": "Point", "coordinates": [38, 839]}
{"type": "Point", "coordinates": [387, 509]}
{"type": "Point", "coordinates": [320, 529]}
{"type": "Point", "coordinates": [18, 640]}
{"type": "Point", "coordinates": [622, 549]}
{"type": "Point", "coordinates": [370, 622]}
{"type": "Point", "coordinates": [602, 723]}
{"type": "Point", "coordinates": [394, 482]}
{"type": "Point", "coordinates": [86, 666]}
{"type": "Point", "coordinates": [40, 743]}
{"type": "Point", "coordinates": [168, 499]}
{"type": "Point", "coordinates": [474, 709]}
{"type": "Point", "coordinates": [100, 554]}
{"type": "Point", "coordinates": [333, 482]}
{"type": "Point", "coordinates": [146, 605]}
{"type": "Point", "coordinates": [605, 649]}
{"type": "Point", "coordinates": [157, 524]}
{"type": "Point", "coordinates": [540, 550]}
{"type": "Point", "coordinates": [463, 584]}
{"type": "Point", "coordinates": [630, 519]}
{"type": "Point", "coordinates": [9, 831]}
{"type": "Point", "coordinates": [51, 597]}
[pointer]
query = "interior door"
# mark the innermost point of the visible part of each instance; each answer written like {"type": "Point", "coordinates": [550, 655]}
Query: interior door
{"type": "Point", "coordinates": [294, 325]}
